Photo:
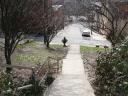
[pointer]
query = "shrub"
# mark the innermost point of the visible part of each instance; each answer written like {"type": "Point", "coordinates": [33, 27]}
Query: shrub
{"type": "Point", "coordinates": [64, 41]}
{"type": "Point", "coordinates": [49, 80]}
{"type": "Point", "coordinates": [4, 81]}
{"type": "Point", "coordinates": [112, 72]}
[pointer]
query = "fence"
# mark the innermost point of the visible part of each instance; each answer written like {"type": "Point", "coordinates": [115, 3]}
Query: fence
{"type": "Point", "coordinates": [51, 66]}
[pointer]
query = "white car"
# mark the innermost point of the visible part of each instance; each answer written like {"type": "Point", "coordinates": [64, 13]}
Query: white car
{"type": "Point", "coordinates": [86, 33]}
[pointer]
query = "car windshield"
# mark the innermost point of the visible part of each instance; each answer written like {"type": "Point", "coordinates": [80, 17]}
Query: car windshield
{"type": "Point", "coordinates": [86, 30]}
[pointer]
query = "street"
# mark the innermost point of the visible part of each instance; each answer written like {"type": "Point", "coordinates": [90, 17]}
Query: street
{"type": "Point", "coordinates": [74, 35]}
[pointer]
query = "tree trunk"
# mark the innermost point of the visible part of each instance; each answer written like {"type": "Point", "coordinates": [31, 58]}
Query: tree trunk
{"type": "Point", "coordinates": [8, 62]}
{"type": "Point", "coordinates": [47, 44]}
{"type": "Point", "coordinates": [45, 39]}
{"type": "Point", "coordinates": [8, 58]}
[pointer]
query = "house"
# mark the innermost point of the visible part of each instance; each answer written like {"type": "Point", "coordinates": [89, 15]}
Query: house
{"type": "Point", "coordinates": [58, 16]}
{"type": "Point", "coordinates": [73, 7]}
{"type": "Point", "coordinates": [53, 14]}
{"type": "Point", "coordinates": [123, 9]}
{"type": "Point", "coordinates": [48, 10]}
{"type": "Point", "coordinates": [120, 11]}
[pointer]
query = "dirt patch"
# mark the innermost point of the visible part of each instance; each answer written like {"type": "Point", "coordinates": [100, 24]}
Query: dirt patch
{"type": "Point", "coordinates": [89, 56]}
{"type": "Point", "coordinates": [20, 77]}
{"type": "Point", "coordinates": [30, 56]}
{"type": "Point", "coordinates": [89, 59]}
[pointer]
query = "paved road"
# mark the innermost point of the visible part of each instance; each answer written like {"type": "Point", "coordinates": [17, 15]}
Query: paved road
{"type": "Point", "coordinates": [73, 80]}
{"type": "Point", "coordinates": [73, 34]}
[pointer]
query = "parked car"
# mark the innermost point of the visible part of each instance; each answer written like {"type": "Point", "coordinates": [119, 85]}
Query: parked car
{"type": "Point", "coordinates": [70, 20]}
{"type": "Point", "coordinates": [86, 33]}
{"type": "Point", "coordinates": [82, 20]}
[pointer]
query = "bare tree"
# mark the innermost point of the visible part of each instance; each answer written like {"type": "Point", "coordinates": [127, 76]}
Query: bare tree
{"type": "Point", "coordinates": [49, 35]}
{"type": "Point", "coordinates": [50, 32]}
{"type": "Point", "coordinates": [46, 22]}
{"type": "Point", "coordinates": [14, 22]}
{"type": "Point", "coordinates": [109, 20]}
{"type": "Point", "coordinates": [51, 24]}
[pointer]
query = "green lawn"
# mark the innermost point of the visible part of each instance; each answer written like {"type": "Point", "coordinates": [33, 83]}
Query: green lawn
{"type": "Point", "coordinates": [91, 49]}
{"type": "Point", "coordinates": [29, 43]}
{"type": "Point", "coordinates": [30, 54]}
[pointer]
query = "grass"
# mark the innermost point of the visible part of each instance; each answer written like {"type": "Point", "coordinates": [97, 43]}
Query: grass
{"type": "Point", "coordinates": [34, 53]}
{"type": "Point", "coordinates": [28, 58]}
{"type": "Point", "coordinates": [91, 49]}
{"type": "Point", "coordinates": [89, 56]}
{"type": "Point", "coordinates": [55, 46]}
{"type": "Point", "coordinates": [27, 43]}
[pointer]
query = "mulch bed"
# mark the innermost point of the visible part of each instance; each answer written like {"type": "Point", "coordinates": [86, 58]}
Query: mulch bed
{"type": "Point", "coordinates": [90, 64]}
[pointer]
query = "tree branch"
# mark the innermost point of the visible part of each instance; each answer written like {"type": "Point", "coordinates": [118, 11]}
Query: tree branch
{"type": "Point", "coordinates": [123, 29]}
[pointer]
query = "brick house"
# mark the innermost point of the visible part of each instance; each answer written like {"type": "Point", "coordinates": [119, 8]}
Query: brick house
{"type": "Point", "coordinates": [58, 16]}
{"type": "Point", "coordinates": [123, 9]}
{"type": "Point", "coordinates": [122, 6]}
{"type": "Point", "coordinates": [48, 11]}
{"type": "Point", "coordinates": [54, 13]}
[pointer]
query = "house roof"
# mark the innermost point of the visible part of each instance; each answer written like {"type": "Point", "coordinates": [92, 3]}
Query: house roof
{"type": "Point", "coordinates": [56, 7]}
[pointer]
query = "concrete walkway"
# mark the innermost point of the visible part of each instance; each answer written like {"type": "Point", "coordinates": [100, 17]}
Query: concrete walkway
{"type": "Point", "coordinates": [73, 80]}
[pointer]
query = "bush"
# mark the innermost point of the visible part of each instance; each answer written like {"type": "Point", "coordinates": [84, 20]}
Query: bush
{"type": "Point", "coordinates": [112, 72]}
{"type": "Point", "coordinates": [5, 82]}
{"type": "Point", "coordinates": [64, 41]}
{"type": "Point", "coordinates": [49, 80]}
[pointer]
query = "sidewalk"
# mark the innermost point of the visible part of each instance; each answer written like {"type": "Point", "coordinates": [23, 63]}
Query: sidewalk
{"type": "Point", "coordinates": [73, 80]}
